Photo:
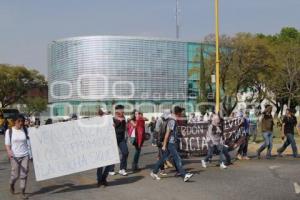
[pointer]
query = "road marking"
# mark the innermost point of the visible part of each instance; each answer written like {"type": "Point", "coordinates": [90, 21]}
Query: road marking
{"type": "Point", "coordinates": [274, 167]}
{"type": "Point", "coordinates": [297, 188]}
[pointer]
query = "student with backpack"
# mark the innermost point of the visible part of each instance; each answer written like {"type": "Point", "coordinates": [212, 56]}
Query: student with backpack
{"type": "Point", "coordinates": [169, 147]}
{"type": "Point", "coordinates": [16, 143]}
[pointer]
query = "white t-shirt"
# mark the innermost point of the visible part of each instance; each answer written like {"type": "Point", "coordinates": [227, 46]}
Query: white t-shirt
{"type": "Point", "coordinates": [18, 142]}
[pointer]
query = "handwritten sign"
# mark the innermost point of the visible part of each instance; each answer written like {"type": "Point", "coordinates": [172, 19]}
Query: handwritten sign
{"type": "Point", "coordinates": [192, 137]}
{"type": "Point", "coordinates": [75, 146]}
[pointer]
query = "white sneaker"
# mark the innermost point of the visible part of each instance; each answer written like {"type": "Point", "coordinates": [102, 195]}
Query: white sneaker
{"type": "Point", "coordinates": [163, 173]}
{"type": "Point", "coordinates": [223, 166]}
{"type": "Point", "coordinates": [155, 176]}
{"type": "Point", "coordinates": [203, 164]}
{"type": "Point", "coordinates": [187, 177]}
{"type": "Point", "coordinates": [122, 172]}
{"type": "Point", "coordinates": [112, 173]}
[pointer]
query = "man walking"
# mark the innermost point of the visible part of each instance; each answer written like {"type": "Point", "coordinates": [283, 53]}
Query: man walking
{"type": "Point", "coordinates": [120, 127]}
{"type": "Point", "coordinates": [169, 147]}
{"type": "Point", "coordinates": [267, 125]}
{"type": "Point", "coordinates": [289, 123]}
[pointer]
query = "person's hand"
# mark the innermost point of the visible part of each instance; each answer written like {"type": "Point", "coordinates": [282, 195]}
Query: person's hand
{"type": "Point", "coordinates": [10, 154]}
{"type": "Point", "coordinates": [164, 147]}
{"type": "Point", "coordinates": [282, 136]}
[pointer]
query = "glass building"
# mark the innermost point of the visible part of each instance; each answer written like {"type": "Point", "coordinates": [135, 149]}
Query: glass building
{"type": "Point", "coordinates": [145, 73]}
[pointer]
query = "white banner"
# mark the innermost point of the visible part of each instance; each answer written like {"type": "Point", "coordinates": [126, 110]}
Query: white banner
{"type": "Point", "coordinates": [75, 146]}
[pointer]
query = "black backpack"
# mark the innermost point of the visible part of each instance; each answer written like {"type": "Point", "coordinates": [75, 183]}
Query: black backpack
{"type": "Point", "coordinates": [162, 131]}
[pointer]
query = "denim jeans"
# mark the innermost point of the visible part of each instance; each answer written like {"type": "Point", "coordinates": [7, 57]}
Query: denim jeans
{"type": "Point", "coordinates": [173, 152]}
{"type": "Point", "coordinates": [101, 176]}
{"type": "Point", "coordinates": [290, 140]}
{"type": "Point", "coordinates": [268, 137]}
{"type": "Point", "coordinates": [124, 155]}
{"type": "Point", "coordinates": [243, 150]}
{"type": "Point", "coordinates": [253, 132]}
{"type": "Point", "coordinates": [215, 148]}
{"type": "Point", "coordinates": [136, 157]}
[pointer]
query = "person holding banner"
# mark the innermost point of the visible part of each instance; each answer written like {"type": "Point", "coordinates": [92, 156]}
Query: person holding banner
{"type": "Point", "coordinates": [102, 172]}
{"type": "Point", "coordinates": [169, 147]}
{"type": "Point", "coordinates": [120, 127]}
{"type": "Point", "coordinates": [16, 143]}
{"type": "Point", "coordinates": [243, 149]}
{"type": "Point", "coordinates": [214, 142]}
{"type": "Point", "coordinates": [267, 125]}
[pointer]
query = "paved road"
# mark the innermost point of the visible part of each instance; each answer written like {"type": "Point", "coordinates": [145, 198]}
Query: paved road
{"type": "Point", "coordinates": [276, 179]}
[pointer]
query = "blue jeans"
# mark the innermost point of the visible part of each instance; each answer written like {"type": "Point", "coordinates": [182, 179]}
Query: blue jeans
{"type": "Point", "coordinates": [124, 155]}
{"type": "Point", "coordinates": [290, 140]}
{"type": "Point", "coordinates": [268, 137]}
{"type": "Point", "coordinates": [215, 148]}
{"type": "Point", "coordinates": [173, 152]}
{"type": "Point", "coordinates": [101, 176]}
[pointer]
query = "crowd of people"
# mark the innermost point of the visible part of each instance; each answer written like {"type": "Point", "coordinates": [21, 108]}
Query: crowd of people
{"type": "Point", "coordinates": [165, 138]}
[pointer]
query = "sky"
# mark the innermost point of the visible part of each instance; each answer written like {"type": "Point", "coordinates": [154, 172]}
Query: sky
{"type": "Point", "coordinates": [28, 26]}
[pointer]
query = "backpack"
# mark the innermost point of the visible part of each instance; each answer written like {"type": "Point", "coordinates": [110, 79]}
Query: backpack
{"type": "Point", "coordinates": [10, 133]}
{"type": "Point", "coordinates": [162, 131]}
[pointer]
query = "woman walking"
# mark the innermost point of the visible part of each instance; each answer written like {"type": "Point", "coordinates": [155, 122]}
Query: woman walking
{"type": "Point", "coordinates": [18, 152]}
{"type": "Point", "coordinates": [136, 132]}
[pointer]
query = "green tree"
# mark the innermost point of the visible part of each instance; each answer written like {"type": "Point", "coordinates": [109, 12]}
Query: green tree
{"type": "Point", "coordinates": [16, 81]}
{"type": "Point", "coordinates": [35, 105]}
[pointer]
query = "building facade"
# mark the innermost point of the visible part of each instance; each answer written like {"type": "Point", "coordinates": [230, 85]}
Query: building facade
{"type": "Point", "coordinates": [145, 73]}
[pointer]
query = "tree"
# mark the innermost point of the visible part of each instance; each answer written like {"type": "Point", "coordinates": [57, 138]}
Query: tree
{"type": "Point", "coordinates": [244, 60]}
{"type": "Point", "coordinates": [35, 105]}
{"type": "Point", "coordinates": [284, 81]}
{"type": "Point", "coordinates": [16, 81]}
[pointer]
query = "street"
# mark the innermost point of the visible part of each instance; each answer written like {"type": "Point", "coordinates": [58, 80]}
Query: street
{"type": "Point", "coordinates": [276, 179]}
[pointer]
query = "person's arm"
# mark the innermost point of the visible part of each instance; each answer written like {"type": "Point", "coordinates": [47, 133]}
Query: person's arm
{"type": "Point", "coordinates": [298, 129]}
{"type": "Point", "coordinates": [8, 145]}
{"type": "Point", "coordinates": [167, 135]}
{"type": "Point", "coordinates": [282, 131]}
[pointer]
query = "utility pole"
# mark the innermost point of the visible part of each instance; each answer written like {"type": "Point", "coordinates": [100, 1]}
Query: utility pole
{"type": "Point", "coordinates": [217, 57]}
{"type": "Point", "coordinates": [177, 19]}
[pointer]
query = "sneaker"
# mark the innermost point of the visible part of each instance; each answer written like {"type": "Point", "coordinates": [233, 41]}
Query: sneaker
{"type": "Point", "coordinates": [203, 164]}
{"type": "Point", "coordinates": [279, 154]}
{"type": "Point", "coordinates": [112, 173]}
{"type": "Point", "coordinates": [223, 166]}
{"type": "Point", "coordinates": [122, 172]}
{"type": "Point", "coordinates": [258, 155]}
{"type": "Point", "coordinates": [155, 176]}
{"type": "Point", "coordinates": [187, 177]}
{"type": "Point", "coordinates": [23, 195]}
{"type": "Point", "coordinates": [239, 157]}
{"type": "Point", "coordinates": [246, 158]}
{"type": "Point", "coordinates": [163, 173]}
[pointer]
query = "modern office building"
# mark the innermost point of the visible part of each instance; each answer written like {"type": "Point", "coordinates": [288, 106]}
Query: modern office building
{"type": "Point", "coordinates": [149, 73]}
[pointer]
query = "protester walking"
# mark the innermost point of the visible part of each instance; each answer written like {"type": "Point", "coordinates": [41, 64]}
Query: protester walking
{"type": "Point", "coordinates": [288, 126]}
{"type": "Point", "coordinates": [18, 150]}
{"type": "Point", "coordinates": [120, 128]}
{"type": "Point", "coordinates": [215, 142]}
{"type": "Point", "coordinates": [102, 172]}
{"type": "Point", "coordinates": [151, 127]}
{"type": "Point", "coordinates": [136, 132]}
{"type": "Point", "coordinates": [267, 125]}
{"type": "Point", "coordinates": [169, 147]}
{"type": "Point", "coordinates": [253, 126]}
{"type": "Point", "coordinates": [243, 150]}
